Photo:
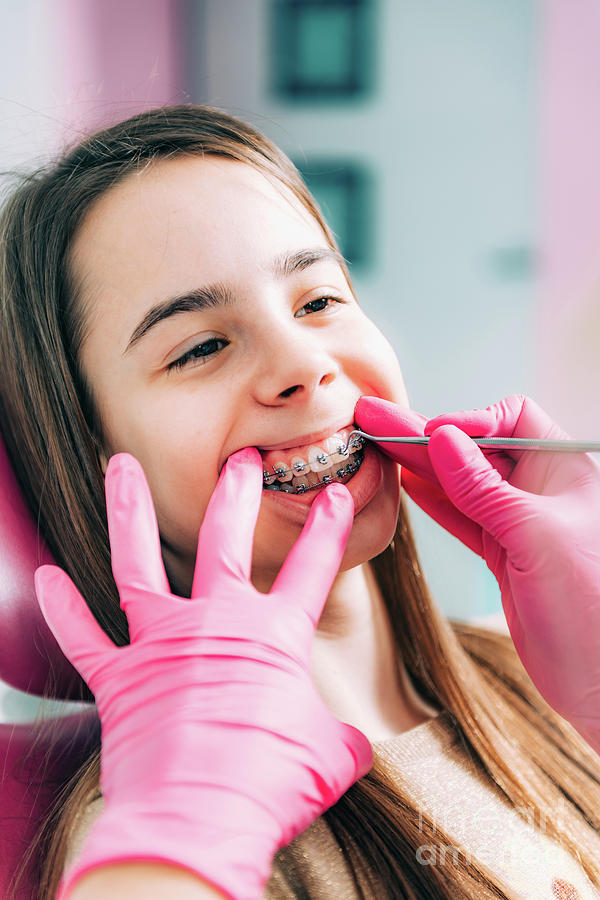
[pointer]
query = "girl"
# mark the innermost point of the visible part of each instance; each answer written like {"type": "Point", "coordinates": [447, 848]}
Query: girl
{"type": "Point", "coordinates": [172, 299]}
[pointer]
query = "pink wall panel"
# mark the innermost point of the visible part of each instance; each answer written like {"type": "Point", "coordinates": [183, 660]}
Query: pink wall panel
{"type": "Point", "coordinates": [568, 326]}
{"type": "Point", "coordinates": [118, 57]}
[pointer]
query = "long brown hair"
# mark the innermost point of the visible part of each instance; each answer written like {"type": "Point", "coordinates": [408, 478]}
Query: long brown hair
{"type": "Point", "coordinates": [51, 430]}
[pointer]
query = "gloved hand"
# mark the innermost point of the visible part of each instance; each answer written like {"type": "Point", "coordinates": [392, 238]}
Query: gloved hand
{"type": "Point", "coordinates": [217, 748]}
{"type": "Point", "coordinates": [533, 516]}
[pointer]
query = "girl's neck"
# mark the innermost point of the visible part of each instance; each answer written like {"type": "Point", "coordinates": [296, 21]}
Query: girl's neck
{"type": "Point", "coordinates": [355, 663]}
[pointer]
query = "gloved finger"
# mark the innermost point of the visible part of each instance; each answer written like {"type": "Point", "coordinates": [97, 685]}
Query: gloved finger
{"type": "Point", "coordinates": [433, 501]}
{"type": "Point", "coordinates": [475, 487]}
{"type": "Point", "coordinates": [227, 531]}
{"type": "Point", "coordinates": [515, 416]}
{"type": "Point", "coordinates": [360, 761]}
{"type": "Point", "coordinates": [136, 558]}
{"type": "Point", "coordinates": [313, 562]}
{"type": "Point", "coordinates": [70, 620]}
{"type": "Point", "coordinates": [376, 416]}
{"type": "Point", "coordinates": [381, 415]}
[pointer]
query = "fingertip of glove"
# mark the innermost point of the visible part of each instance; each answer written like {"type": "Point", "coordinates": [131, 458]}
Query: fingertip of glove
{"type": "Point", "coordinates": [121, 464]}
{"type": "Point", "coordinates": [245, 456]}
{"type": "Point", "coordinates": [376, 416]}
{"type": "Point", "coordinates": [43, 576]}
{"type": "Point", "coordinates": [365, 401]}
{"type": "Point", "coordinates": [455, 445]}
{"type": "Point", "coordinates": [368, 406]}
{"type": "Point", "coordinates": [438, 424]}
{"type": "Point", "coordinates": [434, 425]}
{"type": "Point", "coordinates": [244, 467]}
{"type": "Point", "coordinates": [446, 430]}
{"type": "Point", "coordinates": [337, 496]}
{"type": "Point", "coordinates": [361, 748]}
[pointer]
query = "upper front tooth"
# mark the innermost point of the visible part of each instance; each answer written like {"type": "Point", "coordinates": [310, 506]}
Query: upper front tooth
{"type": "Point", "coordinates": [356, 443]}
{"type": "Point", "coordinates": [318, 459]}
{"type": "Point", "coordinates": [335, 446]}
{"type": "Point", "coordinates": [282, 467]}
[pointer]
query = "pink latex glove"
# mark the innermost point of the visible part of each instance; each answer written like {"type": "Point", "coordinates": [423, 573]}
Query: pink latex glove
{"type": "Point", "coordinates": [533, 516]}
{"type": "Point", "coordinates": [217, 748]}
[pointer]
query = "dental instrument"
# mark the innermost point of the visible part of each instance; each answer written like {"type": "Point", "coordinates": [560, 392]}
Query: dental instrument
{"type": "Point", "coordinates": [564, 446]}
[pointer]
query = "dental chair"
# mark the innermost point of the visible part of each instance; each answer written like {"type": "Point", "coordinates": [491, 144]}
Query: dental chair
{"type": "Point", "coordinates": [37, 758]}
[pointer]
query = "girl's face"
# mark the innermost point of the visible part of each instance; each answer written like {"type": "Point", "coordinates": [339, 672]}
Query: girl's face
{"type": "Point", "coordinates": [273, 351]}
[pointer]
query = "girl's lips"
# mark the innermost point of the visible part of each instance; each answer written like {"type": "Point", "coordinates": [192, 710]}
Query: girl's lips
{"type": "Point", "coordinates": [362, 486]}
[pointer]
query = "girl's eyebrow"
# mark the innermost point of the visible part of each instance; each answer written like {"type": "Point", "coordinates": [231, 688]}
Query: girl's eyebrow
{"type": "Point", "coordinates": [218, 294]}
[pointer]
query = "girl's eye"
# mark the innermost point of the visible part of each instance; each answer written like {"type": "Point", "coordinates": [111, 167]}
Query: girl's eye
{"type": "Point", "coordinates": [318, 308]}
{"type": "Point", "coordinates": [200, 353]}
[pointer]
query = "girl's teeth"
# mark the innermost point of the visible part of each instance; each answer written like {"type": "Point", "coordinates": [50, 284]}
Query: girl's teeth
{"type": "Point", "coordinates": [328, 475]}
{"type": "Point", "coordinates": [299, 465]}
{"type": "Point", "coordinates": [283, 467]}
{"type": "Point", "coordinates": [300, 483]}
{"type": "Point", "coordinates": [334, 445]}
{"type": "Point", "coordinates": [318, 459]}
{"type": "Point", "coordinates": [330, 459]}
{"type": "Point", "coordinates": [300, 480]}
{"type": "Point", "coordinates": [356, 444]}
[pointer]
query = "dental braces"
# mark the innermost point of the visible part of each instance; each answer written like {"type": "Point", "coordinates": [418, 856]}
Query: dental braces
{"type": "Point", "coordinates": [300, 468]}
{"type": "Point", "coordinates": [349, 469]}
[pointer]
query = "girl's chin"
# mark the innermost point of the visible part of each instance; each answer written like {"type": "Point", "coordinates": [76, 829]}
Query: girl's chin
{"type": "Point", "coordinates": [363, 545]}
{"type": "Point", "coordinates": [372, 531]}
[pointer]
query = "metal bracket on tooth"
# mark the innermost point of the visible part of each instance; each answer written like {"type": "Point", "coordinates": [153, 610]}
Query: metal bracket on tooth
{"type": "Point", "coordinates": [349, 469]}
{"type": "Point", "coordinates": [356, 443]}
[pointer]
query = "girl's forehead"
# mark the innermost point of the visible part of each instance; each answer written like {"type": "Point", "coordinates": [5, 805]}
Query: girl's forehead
{"type": "Point", "coordinates": [179, 224]}
{"type": "Point", "coordinates": [181, 183]}
{"type": "Point", "coordinates": [206, 194]}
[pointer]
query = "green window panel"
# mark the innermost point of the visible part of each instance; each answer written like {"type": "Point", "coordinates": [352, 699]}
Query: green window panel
{"type": "Point", "coordinates": [322, 49]}
{"type": "Point", "coordinates": [344, 191]}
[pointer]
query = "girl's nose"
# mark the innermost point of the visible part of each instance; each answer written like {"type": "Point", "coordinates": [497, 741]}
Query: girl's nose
{"type": "Point", "coordinates": [296, 367]}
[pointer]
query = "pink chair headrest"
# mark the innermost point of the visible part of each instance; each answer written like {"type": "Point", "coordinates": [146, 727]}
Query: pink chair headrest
{"type": "Point", "coordinates": [28, 649]}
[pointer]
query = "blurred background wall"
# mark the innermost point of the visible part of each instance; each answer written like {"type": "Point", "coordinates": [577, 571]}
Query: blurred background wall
{"type": "Point", "coordinates": [452, 145]}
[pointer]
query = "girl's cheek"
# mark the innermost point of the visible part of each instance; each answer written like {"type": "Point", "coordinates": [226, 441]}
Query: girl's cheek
{"type": "Point", "coordinates": [378, 372]}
